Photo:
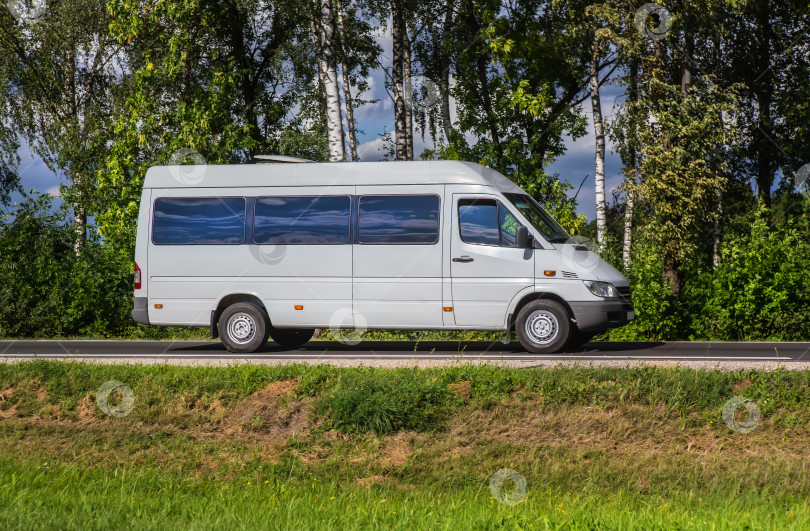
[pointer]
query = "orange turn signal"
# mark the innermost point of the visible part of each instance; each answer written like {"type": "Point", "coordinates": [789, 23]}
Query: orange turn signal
{"type": "Point", "coordinates": [159, 306]}
{"type": "Point", "coordinates": [448, 308]}
{"type": "Point", "coordinates": [299, 306]}
{"type": "Point", "coordinates": [549, 273]}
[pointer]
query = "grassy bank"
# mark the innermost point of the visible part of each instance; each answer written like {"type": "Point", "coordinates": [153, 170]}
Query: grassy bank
{"type": "Point", "coordinates": [325, 447]}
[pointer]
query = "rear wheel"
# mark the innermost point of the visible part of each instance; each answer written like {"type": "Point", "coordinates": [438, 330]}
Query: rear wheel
{"type": "Point", "coordinates": [543, 326]}
{"type": "Point", "coordinates": [243, 327]}
{"type": "Point", "coordinates": [291, 337]}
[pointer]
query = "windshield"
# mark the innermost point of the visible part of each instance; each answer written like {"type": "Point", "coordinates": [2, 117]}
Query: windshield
{"type": "Point", "coordinates": [539, 218]}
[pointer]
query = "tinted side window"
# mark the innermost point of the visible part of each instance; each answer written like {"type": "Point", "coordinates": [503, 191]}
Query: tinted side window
{"type": "Point", "coordinates": [398, 219]}
{"type": "Point", "coordinates": [199, 221]}
{"type": "Point", "coordinates": [313, 220]}
{"type": "Point", "coordinates": [478, 221]}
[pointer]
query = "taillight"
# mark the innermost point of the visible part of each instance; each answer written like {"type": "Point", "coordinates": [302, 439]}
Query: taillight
{"type": "Point", "coordinates": [137, 276]}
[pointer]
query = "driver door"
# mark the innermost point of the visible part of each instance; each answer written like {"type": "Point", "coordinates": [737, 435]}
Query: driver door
{"type": "Point", "coordinates": [487, 270]}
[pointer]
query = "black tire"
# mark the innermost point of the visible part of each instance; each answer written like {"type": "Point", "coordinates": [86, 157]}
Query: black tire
{"type": "Point", "coordinates": [543, 326]}
{"type": "Point", "coordinates": [243, 327]}
{"type": "Point", "coordinates": [577, 339]}
{"type": "Point", "coordinates": [291, 337]}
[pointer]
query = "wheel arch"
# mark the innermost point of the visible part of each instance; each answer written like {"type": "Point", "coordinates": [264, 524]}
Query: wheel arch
{"type": "Point", "coordinates": [522, 299]}
{"type": "Point", "coordinates": [233, 298]}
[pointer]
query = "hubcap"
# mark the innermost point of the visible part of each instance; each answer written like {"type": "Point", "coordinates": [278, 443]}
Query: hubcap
{"type": "Point", "coordinates": [542, 327]}
{"type": "Point", "coordinates": [241, 328]}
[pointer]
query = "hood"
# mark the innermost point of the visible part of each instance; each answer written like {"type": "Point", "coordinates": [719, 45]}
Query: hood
{"type": "Point", "coordinates": [589, 265]}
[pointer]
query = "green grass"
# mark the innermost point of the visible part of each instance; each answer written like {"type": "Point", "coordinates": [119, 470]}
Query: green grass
{"type": "Point", "coordinates": [599, 448]}
{"type": "Point", "coordinates": [38, 496]}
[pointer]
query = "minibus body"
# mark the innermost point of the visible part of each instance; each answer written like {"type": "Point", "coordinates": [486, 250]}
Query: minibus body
{"type": "Point", "coordinates": [277, 250]}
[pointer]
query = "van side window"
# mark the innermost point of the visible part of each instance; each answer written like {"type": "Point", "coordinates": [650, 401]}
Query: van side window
{"type": "Point", "coordinates": [302, 220]}
{"type": "Point", "coordinates": [398, 219]}
{"type": "Point", "coordinates": [199, 221]}
{"type": "Point", "coordinates": [486, 222]}
{"type": "Point", "coordinates": [478, 221]}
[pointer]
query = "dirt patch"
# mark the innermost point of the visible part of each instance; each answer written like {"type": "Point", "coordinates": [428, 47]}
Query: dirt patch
{"type": "Point", "coordinates": [371, 480]}
{"type": "Point", "coordinates": [395, 450]}
{"type": "Point", "coordinates": [620, 431]}
{"type": "Point", "coordinates": [7, 412]}
{"type": "Point", "coordinates": [741, 387]}
{"type": "Point", "coordinates": [86, 409]}
{"type": "Point", "coordinates": [463, 388]}
{"type": "Point", "coordinates": [272, 411]}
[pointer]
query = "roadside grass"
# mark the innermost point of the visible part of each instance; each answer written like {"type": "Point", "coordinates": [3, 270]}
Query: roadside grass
{"type": "Point", "coordinates": [327, 447]}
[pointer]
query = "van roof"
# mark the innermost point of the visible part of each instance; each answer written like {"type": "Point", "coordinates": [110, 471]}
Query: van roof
{"type": "Point", "coordinates": [327, 173]}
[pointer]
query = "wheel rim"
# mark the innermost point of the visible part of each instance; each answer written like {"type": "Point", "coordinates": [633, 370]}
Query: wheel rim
{"type": "Point", "coordinates": [542, 327]}
{"type": "Point", "coordinates": [241, 328]}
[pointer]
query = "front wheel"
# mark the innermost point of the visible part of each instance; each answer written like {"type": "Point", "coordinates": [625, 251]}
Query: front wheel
{"type": "Point", "coordinates": [543, 326]}
{"type": "Point", "coordinates": [291, 337]}
{"type": "Point", "coordinates": [243, 327]}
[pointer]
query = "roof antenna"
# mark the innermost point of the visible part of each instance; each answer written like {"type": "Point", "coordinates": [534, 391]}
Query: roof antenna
{"type": "Point", "coordinates": [278, 159]}
{"type": "Point", "coordinates": [580, 186]}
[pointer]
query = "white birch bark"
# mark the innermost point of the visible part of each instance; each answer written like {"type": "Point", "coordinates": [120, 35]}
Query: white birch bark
{"type": "Point", "coordinates": [599, 156]}
{"type": "Point", "coordinates": [327, 63]}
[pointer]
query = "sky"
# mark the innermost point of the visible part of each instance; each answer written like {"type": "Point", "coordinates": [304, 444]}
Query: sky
{"type": "Point", "coordinates": [372, 119]}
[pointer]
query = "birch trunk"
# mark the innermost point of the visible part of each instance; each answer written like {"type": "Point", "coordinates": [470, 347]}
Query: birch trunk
{"type": "Point", "coordinates": [718, 230]}
{"type": "Point", "coordinates": [627, 246]}
{"type": "Point", "coordinates": [406, 68]}
{"type": "Point", "coordinates": [347, 88]}
{"type": "Point", "coordinates": [400, 122]}
{"type": "Point", "coordinates": [326, 62]}
{"type": "Point", "coordinates": [447, 125]}
{"type": "Point", "coordinates": [599, 157]}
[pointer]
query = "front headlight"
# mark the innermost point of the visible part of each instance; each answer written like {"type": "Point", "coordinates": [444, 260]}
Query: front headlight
{"type": "Point", "coordinates": [601, 289]}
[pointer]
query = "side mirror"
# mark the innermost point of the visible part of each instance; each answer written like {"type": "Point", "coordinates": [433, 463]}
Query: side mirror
{"type": "Point", "coordinates": [522, 237]}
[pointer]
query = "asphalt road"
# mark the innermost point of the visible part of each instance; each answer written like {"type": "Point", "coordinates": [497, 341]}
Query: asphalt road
{"type": "Point", "coordinates": [406, 350]}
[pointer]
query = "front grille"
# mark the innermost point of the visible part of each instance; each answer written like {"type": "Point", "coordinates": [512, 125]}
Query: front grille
{"type": "Point", "coordinates": [625, 294]}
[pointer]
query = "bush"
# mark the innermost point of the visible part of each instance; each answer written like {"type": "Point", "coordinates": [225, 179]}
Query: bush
{"type": "Point", "coordinates": [761, 289]}
{"type": "Point", "coordinates": [46, 289]}
{"type": "Point", "coordinates": [385, 402]}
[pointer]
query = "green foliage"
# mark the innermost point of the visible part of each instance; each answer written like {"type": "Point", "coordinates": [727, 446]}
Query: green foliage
{"type": "Point", "coordinates": [761, 289]}
{"type": "Point", "coordinates": [46, 289]}
{"type": "Point", "coordinates": [370, 401]}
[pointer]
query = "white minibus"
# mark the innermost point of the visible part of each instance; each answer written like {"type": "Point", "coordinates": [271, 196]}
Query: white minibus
{"type": "Point", "coordinates": [278, 250]}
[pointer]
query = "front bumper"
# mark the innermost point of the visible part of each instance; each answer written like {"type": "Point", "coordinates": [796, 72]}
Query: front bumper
{"type": "Point", "coordinates": [598, 316]}
{"type": "Point", "coordinates": [140, 312]}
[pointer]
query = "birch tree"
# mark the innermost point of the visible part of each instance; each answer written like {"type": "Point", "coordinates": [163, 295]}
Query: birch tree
{"type": "Point", "coordinates": [599, 156]}
{"type": "Point", "coordinates": [398, 79]}
{"type": "Point", "coordinates": [327, 67]}
{"type": "Point", "coordinates": [60, 68]}
{"type": "Point", "coordinates": [347, 86]}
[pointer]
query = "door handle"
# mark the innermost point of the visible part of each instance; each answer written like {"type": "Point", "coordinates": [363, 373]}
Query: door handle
{"type": "Point", "coordinates": [464, 258]}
